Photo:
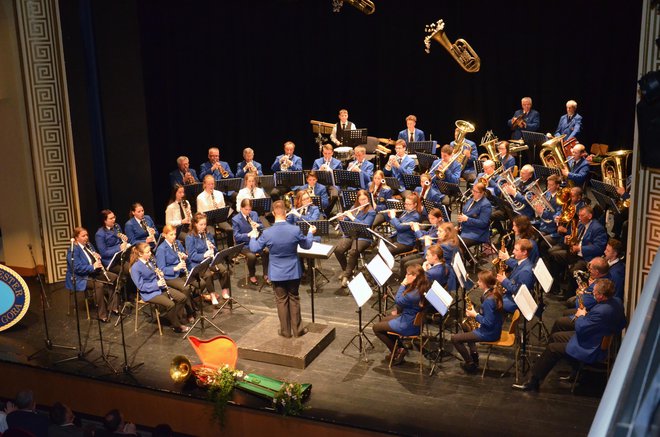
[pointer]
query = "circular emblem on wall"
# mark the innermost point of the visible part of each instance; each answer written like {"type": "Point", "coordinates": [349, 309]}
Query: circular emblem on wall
{"type": "Point", "coordinates": [14, 298]}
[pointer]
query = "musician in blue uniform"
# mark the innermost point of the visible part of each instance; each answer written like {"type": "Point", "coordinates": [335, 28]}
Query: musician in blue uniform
{"type": "Point", "coordinates": [606, 318]}
{"type": "Point", "coordinates": [522, 229]}
{"type": "Point", "coordinates": [547, 224]}
{"type": "Point", "coordinates": [380, 192]}
{"type": "Point", "coordinates": [214, 167]}
{"type": "Point", "coordinates": [153, 288]}
{"type": "Point", "coordinates": [450, 173]}
{"type": "Point", "coordinates": [474, 220]}
{"type": "Point", "coordinates": [109, 238]}
{"type": "Point", "coordinates": [614, 255]}
{"type": "Point", "coordinates": [521, 273]}
{"type": "Point", "coordinates": [319, 190]}
{"type": "Point", "coordinates": [251, 191]}
{"type": "Point", "coordinates": [199, 246]}
{"type": "Point", "coordinates": [171, 260]}
{"type": "Point", "coordinates": [427, 236]}
{"type": "Point", "coordinates": [140, 228]}
{"type": "Point", "coordinates": [525, 118]}
{"type": "Point", "coordinates": [327, 161]}
{"type": "Point", "coordinates": [490, 174]}
{"type": "Point", "coordinates": [411, 133]}
{"type": "Point", "coordinates": [409, 300]}
{"type": "Point", "coordinates": [570, 124]}
{"type": "Point", "coordinates": [490, 318]}
{"type": "Point", "coordinates": [405, 236]}
{"type": "Point", "coordinates": [518, 190]}
{"type": "Point", "coordinates": [303, 209]}
{"type": "Point", "coordinates": [361, 165]}
{"type": "Point", "coordinates": [434, 265]}
{"type": "Point", "coordinates": [578, 166]}
{"type": "Point", "coordinates": [400, 164]}
{"type": "Point", "coordinates": [469, 150]}
{"type": "Point", "coordinates": [183, 175]}
{"type": "Point", "coordinates": [242, 224]}
{"type": "Point", "coordinates": [448, 240]}
{"type": "Point", "coordinates": [282, 240]}
{"type": "Point", "coordinates": [287, 161]}
{"type": "Point", "coordinates": [90, 274]}
{"type": "Point", "coordinates": [428, 191]}
{"type": "Point", "coordinates": [504, 156]}
{"type": "Point", "coordinates": [248, 164]}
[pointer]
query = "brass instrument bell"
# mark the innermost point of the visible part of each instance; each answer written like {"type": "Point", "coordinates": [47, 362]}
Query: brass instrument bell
{"type": "Point", "coordinates": [180, 368]}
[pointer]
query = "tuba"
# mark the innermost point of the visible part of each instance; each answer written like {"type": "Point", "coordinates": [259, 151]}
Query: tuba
{"type": "Point", "coordinates": [367, 7]}
{"type": "Point", "coordinates": [613, 168]}
{"type": "Point", "coordinates": [180, 368]}
{"type": "Point", "coordinates": [461, 51]}
{"type": "Point", "coordinates": [491, 151]}
{"type": "Point", "coordinates": [464, 127]}
{"type": "Point", "coordinates": [552, 154]}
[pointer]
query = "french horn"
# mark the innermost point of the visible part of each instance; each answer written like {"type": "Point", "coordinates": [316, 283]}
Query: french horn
{"type": "Point", "coordinates": [461, 51]}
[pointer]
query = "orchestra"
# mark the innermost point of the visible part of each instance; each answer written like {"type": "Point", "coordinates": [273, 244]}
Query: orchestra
{"type": "Point", "coordinates": [551, 217]}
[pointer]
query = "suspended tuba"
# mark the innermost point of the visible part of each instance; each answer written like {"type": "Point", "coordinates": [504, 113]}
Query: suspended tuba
{"type": "Point", "coordinates": [461, 51]}
{"type": "Point", "coordinates": [367, 7]}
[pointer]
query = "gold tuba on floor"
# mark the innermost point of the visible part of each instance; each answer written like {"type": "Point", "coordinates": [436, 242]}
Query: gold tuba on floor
{"type": "Point", "coordinates": [461, 51]}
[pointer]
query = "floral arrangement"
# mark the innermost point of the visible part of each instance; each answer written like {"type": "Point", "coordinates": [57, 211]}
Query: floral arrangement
{"type": "Point", "coordinates": [288, 400]}
{"type": "Point", "coordinates": [220, 383]}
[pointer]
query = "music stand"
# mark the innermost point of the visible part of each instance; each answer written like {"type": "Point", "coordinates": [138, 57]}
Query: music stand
{"type": "Point", "coordinates": [361, 292]}
{"type": "Point", "coordinates": [313, 256]}
{"type": "Point", "coordinates": [605, 195]}
{"type": "Point", "coordinates": [262, 206]}
{"type": "Point", "coordinates": [196, 274]}
{"type": "Point", "coordinates": [354, 137]}
{"type": "Point", "coordinates": [227, 256]}
{"type": "Point", "coordinates": [215, 216]}
{"type": "Point", "coordinates": [348, 198]}
{"type": "Point", "coordinates": [533, 139]}
{"type": "Point", "coordinates": [324, 177]}
{"type": "Point", "coordinates": [346, 179]}
{"type": "Point", "coordinates": [267, 182]}
{"type": "Point", "coordinates": [479, 165]}
{"type": "Point", "coordinates": [543, 172]}
{"type": "Point", "coordinates": [411, 181]}
{"type": "Point", "coordinates": [322, 229]}
{"type": "Point", "coordinates": [381, 291]}
{"type": "Point", "coordinates": [228, 185]}
{"type": "Point", "coordinates": [425, 161]}
{"type": "Point", "coordinates": [192, 191]}
{"type": "Point", "coordinates": [393, 183]}
{"type": "Point", "coordinates": [427, 147]}
{"type": "Point", "coordinates": [395, 204]}
{"type": "Point", "coordinates": [428, 205]}
{"type": "Point", "coordinates": [289, 179]}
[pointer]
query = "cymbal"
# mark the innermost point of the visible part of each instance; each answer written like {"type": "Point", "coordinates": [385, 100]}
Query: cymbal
{"type": "Point", "coordinates": [386, 141]}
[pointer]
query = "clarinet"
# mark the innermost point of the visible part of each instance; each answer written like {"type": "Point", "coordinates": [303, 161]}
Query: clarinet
{"type": "Point", "coordinates": [180, 255]}
{"type": "Point", "coordinates": [97, 257]}
{"type": "Point", "coordinates": [159, 275]}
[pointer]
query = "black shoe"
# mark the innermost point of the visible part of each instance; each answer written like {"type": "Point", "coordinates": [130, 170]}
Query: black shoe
{"type": "Point", "coordinates": [470, 367]}
{"type": "Point", "coordinates": [279, 332]}
{"type": "Point", "coordinates": [398, 357]}
{"type": "Point", "coordinates": [181, 329]}
{"type": "Point", "coordinates": [530, 385]}
{"type": "Point", "coordinates": [302, 332]}
{"type": "Point", "coordinates": [568, 378]}
{"type": "Point", "coordinates": [475, 358]}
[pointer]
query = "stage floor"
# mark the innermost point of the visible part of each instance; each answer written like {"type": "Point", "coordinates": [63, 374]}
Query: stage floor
{"type": "Point", "coordinates": [346, 390]}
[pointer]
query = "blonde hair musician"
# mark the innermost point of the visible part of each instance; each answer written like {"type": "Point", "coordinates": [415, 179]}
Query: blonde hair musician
{"type": "Point", "coordinates": [381, 193]}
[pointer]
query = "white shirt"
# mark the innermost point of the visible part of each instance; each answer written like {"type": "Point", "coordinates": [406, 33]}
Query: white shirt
{"type": "Point", "coordinates": [205, 202]}
{"type": "Point", "coordinates": [91, 261]}
{"type": "Point", "coordinates": [244, 193]}
{"type": "Point", "coordinates": [173, 213]}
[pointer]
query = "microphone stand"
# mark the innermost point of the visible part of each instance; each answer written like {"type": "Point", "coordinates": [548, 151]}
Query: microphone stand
{"type": "Point", "coordinates": [44, 302]}
{"type": "Point", "coordinates": [81, 355]}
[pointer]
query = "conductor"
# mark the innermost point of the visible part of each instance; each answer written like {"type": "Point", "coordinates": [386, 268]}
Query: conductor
{"type": "Point", "coordinates": [282, 240]}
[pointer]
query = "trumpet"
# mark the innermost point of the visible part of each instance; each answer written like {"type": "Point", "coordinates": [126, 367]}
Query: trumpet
{"type": "Point", "coordinates": [249, 168]}
{"type": "Point", "coordinates": [390, 162]}
{"type": "Point", "coordinates": [285, 163]}
{"type": "Point", "coordinates": [97, 257]}
{"type": "Point", "coordinates": [188, 178]}
{"type": "Point", "coordinates": [461, 51]}
{"type": "Point", "coordinates": [354, 164]}
{"type": "Point", "coordinates": [221, 169]}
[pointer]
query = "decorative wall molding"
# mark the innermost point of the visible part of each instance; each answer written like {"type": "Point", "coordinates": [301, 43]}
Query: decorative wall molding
{"type": "Point", "coordinates": [49, 126]}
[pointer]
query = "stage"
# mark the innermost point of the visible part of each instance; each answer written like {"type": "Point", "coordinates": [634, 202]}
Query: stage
{"type": "Point", "coordinates": [346, 390]}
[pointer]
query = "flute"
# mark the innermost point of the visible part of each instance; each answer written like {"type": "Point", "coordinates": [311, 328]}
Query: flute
{"type": "Point", "coordinates": [341, 214]}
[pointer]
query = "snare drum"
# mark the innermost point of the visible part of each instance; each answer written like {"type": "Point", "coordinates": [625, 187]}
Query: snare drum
{"type": "Point", "coordinates": [344, 154]}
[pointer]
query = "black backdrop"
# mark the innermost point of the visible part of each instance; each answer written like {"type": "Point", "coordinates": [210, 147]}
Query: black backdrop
{"type": "Point", "coordinates": [237, 74]}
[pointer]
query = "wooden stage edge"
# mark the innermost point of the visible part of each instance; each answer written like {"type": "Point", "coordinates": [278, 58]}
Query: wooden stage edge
{"type": "Point", "coordinates": [184, 414]}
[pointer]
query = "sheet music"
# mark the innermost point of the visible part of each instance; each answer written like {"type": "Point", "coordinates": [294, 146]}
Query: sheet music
{"type": "Point", "coordinates": [543, 275]}
{"type": "Point", "coordinates": [386, 254]}
{"type": "Point", "coordinates": [360, 289]}
{"type": "Point", "coordinates": [317, 249]}
{"type": "Point", "coordinates": [439, 298]}
{"type": "Point", "coordinates": [459, 268]}
{"type": "Point", "coordinates": [526, 303]}
{"type": "Point", "coordinates": [379, 270]}
{"type": "Point", "coordinates": [128, 246]}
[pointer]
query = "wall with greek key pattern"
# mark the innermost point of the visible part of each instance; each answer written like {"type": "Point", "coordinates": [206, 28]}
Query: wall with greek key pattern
{"type": "Point", "coordinates": [49, 128]}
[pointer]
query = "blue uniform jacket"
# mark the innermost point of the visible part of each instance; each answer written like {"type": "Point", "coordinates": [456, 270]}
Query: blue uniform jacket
{"type": "Point", "coordinates": [594, 240]}
{"type": "Point", "coordinates": [604, 319]}
{"type": "Point", "coordinates": [319, 190]}
{"type": "Point", "coordinates": [477, 225]}
{"type": "Point", "coordinates": [571, 129]}
{"type": "Point", "coordinates": [335, 164]}
{"type": "Point", "coordinates": [578, 171]}
{"type": "Point", "coordinates": [588, 299]}
{"type": "Point", "coordinates": [313, 213]}
{"type": "Point", "coordinates": [108, 243]}
{"type": "Point", "coordinates": [521, 274]}
{"type": "Point", "coordinates": [241, 227]}
{"type": "Point", "coordinates": [407, 166]}
{"type": "Point", "coordinates": [469, 163]}
{"type": "Point", "coordinates": [431, 232]}
{"type": "Point", "coordinates": [366, 172]}
{"type": "Point", "coordinates": [82, 267]}
{"type": "Point", "coordinates": [167, 259]}
{"type": "Point", "coordinates": [145, 280]}
{"type": "Point", "coordinates": [532, 119]}
{"type": "Point", "coordinates": [366, 218]}
{"type": "Point", "coordinates": [136, 234]}
{"type": "Point", "coordinates": [205, 169]}
{"type": "Point", "coordinates": [296, 163]}
{"type": "Point", "coordinates": [453, 173]}
{"type": "Point", "coordinates": [509, 162]}
{"type": "Point", "coordinates": [490, 321]}
{"type": "Point", "coordinates": [381, 198]}
{"type": "Point", "coordinates": [432, 194]}
{"type": "Point", "coordinates": [196, 246]}
{"type": "Point", "coordinates": [492, 183]}
{"type": "Point", "coordinates": [409, 304]}
{"type": "Point", "coordinates": [177, 178]}
{"type": "Point", "coordinates": [404, 234]}
{"type": "Point", "coordinates": [404, 135]}
{"type": "Point", "coordinates": [449, 250]}
{"type": "Point", "coordinates": [241, 165]}
{"type": "Point", "coordinates": [282, 240]}
{"type": "Point", "coordinates": [618, 275]}
{"type": "Point", "coordinates": [440, 273]}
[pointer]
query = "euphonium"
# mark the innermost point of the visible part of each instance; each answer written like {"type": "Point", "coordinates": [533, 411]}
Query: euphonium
{"type": "Point", "coordinates": [534, 196]}
{"type": "Point", "coordinates": [464, 127]}
{"type": "Point", "coordinates": [367, 7]}
{"type": "Point", "coordinates": [461, 51]}
{"type": "Point", "coordinates": [552, 153]}
{"type": "Point", "coordinates": [507, 178]}
{"type": "Point", "coordinates": [491, 149]}
{"type": "Point", "coordinates": [613, 168]}
{"type": "Point", "coordinates": [180, 368]}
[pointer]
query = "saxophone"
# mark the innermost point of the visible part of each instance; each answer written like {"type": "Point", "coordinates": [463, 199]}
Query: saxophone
{"type": "Point", "coordinates": [469, 323]}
